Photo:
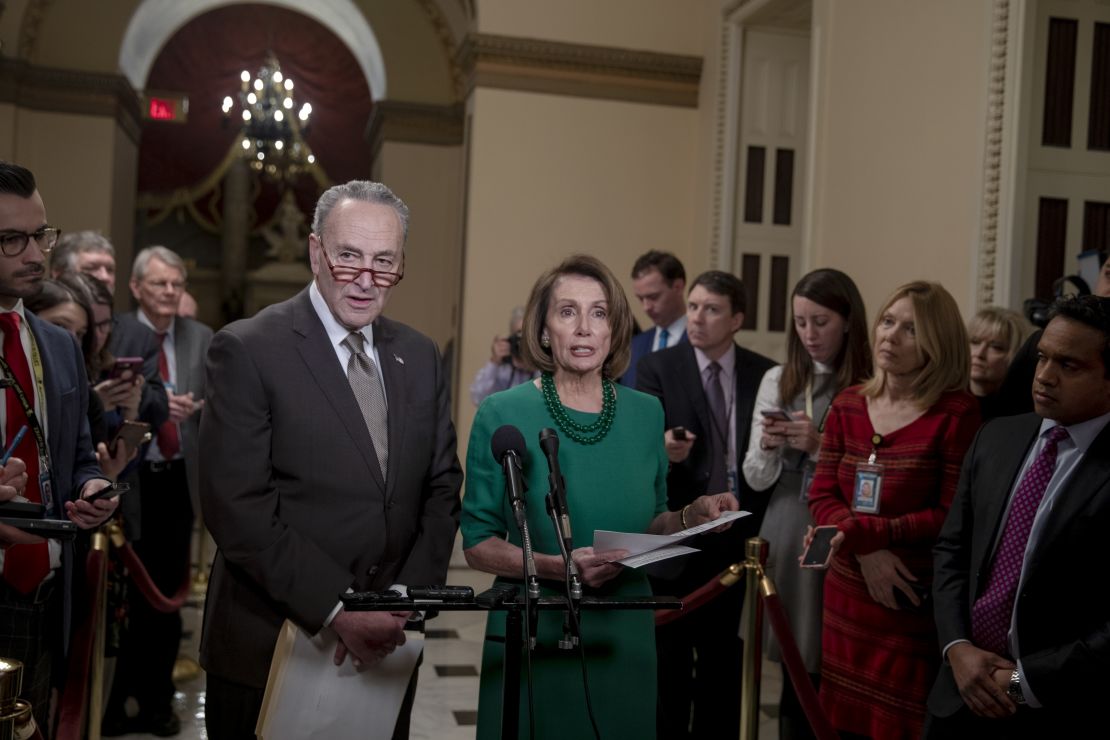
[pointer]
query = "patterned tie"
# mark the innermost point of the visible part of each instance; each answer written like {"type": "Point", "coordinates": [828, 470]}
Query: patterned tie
{"type": "Point", "coordinates": [992, 611]}
{"type": "Point", "coordinates": [664, 335]}
{"type": "Point", "coordinates": [718, 433]}
{"type": "Point", "coordinates": [169, 439]}
{"type": "Point", "coordinates": [24, 565]}
{"type": "Point", "coordinates": [362, 374]}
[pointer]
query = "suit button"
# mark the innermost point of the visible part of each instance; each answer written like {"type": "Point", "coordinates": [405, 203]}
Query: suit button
{"type": "Point", "coordinates": [372, 570]}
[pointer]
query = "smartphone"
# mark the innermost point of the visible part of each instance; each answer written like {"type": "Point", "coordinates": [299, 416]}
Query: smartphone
{"type": "Point", "coordinates": [132, 434]}
{"type": "Point", "coordinates": [123, 364]}
{"type": "Point", "coordinates": [923, 594]}
{"type": "Point", "coordinates": [57, 529]}
{"type": "Point", "coordinates": [776, 414]}
{"type": "Point", "coordinates": [110, 492]}
{"type": "Point", "coordinates": [819, 551]}
{"type": "Point", "coordinates": [679, 433]}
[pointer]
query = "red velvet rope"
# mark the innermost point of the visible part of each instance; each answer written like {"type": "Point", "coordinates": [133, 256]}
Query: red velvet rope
{"type": "Point", "coordinates": [75, 693]}
{"type": "Point", "coordinates": [693, 600]}
{"type": "Point", "coordinates": [156, 599]}
{"type": "Point", "coordinates": [796, 669]}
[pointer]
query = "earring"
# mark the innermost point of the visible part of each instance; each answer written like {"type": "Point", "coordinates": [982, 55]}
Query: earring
{"type": "Point", "coordinates": [545, 341]}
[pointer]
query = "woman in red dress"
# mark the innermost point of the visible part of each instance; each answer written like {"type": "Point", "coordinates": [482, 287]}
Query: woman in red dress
{"type": "Point", "coordinates": [890, 460]}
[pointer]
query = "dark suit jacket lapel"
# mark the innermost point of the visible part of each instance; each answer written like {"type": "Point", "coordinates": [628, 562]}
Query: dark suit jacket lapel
{"type": "Point", "coordinates": [393, 372]}
{"type": "Point", "coordinates": [693, 388]}
{"type": "Point", "coordinates": [318, 356]}
{"type": "Point", "coordinates": [50, 392]}
{"type": "Point", "coordinates": [1000, 478]}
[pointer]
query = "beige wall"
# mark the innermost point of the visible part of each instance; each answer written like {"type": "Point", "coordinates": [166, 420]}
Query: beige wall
{"type": "Point", "coordinates": [429, 179]}
{"type": "Point", "coordinates": [73, 158]}
{"type": "Point", "coordinates": [899, 153]}
{"type": "Point", "coordinates": [673, 26]}
{"type": "Point", "coordinates": [551, 176]}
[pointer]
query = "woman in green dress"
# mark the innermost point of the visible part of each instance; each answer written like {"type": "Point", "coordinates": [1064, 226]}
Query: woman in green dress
{"type": "Point", "coordinates": [577, 331]}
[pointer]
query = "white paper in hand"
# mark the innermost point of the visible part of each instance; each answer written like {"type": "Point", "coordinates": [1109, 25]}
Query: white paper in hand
{"type": "Point", "coordinates": [650, 548]}
{"type": "Point", "coordinates": [309, 697]}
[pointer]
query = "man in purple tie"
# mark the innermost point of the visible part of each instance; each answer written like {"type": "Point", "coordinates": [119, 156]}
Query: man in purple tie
{"type": "Point", "coordinates": [1022, 610]}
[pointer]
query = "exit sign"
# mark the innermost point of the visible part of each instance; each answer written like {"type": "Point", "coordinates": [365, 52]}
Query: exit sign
{"type": "Point", "coordinates": [172, 107]}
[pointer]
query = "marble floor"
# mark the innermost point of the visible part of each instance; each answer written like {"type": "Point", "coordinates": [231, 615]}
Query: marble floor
{"type": "Point", "coordinates": [447, 695]}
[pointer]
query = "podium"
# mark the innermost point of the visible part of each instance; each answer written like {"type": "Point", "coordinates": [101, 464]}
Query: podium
{"type": "Point", "coordinates": [514, 608]}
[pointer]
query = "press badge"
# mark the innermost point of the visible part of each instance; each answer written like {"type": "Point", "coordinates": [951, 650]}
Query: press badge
{"type": "Point", "coordinates": [46, 490]}
{"type": "Point", "coordinates": [868, 488]}
{"type": "Point", "coordinates": [809, 468]}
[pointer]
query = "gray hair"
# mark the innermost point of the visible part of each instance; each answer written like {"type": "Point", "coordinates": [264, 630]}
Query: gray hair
{"type": "Point", "coordinates": [64, 256]}
{"type": "Point", "coordinates": [170, 257]}
{"type": "Point", "coordinates": [364, 190]}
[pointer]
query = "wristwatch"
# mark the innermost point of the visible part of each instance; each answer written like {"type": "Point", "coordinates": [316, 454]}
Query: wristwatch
{"type": "Point", "coordinates": [1014, 689]}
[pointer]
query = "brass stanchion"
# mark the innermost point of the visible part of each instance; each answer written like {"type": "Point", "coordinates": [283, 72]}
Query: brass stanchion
{"type": "Point", "coordinates": [16, 720]}
{"type": "Point", "coordinates": [755, 551]}
{"type": "Point", "coordinates": [96, 690]}
{"type": "Point", "coordinates": [185, 668]}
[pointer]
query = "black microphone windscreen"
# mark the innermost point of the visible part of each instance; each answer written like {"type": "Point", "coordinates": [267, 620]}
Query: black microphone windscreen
{"type": "Point", "coordinates": [504, 439]}
{"type": "Point", "coordinates": [549, 441]}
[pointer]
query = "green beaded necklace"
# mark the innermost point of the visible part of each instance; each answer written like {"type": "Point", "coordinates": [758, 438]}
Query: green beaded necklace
{"type": "Point", "coordinates": [585, 434]}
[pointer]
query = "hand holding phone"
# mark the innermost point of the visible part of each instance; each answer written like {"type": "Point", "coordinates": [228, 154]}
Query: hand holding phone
{"type": "Point", "coordinates": [125, 364]}
{"type": "Point", "coordinates": [776, 415]}
{"type": "Point", "coordinates": [819, 551]}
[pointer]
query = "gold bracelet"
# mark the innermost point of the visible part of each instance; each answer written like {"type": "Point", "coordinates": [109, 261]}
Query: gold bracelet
{"type": "Point", "coordinates": [682, 516]}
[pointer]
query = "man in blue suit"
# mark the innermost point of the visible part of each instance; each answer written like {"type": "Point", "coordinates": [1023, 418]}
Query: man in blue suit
{"type": "Point", "coordinates": [659, 284]}
{"type": "Point", "coordinates": [54, 464]}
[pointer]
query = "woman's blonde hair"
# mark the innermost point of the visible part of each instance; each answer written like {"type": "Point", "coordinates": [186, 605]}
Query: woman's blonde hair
{"type": "Point", "coordinates": [619, 315]}
{"type": "Point", "coordinates": [942, 343]}
{"type": "Point", "coordinates": [1004, 324]}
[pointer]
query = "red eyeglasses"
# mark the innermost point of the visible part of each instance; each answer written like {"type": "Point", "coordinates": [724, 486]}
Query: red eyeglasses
{"type": "Point", "coordinates": [380, 278]}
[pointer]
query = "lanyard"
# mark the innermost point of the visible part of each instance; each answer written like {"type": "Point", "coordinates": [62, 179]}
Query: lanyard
{"type": "Point", "coordinates": [28, 407]}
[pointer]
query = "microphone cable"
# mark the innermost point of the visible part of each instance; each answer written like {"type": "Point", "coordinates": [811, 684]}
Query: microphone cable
{"type": "Point", "coordinates": [581, 642]}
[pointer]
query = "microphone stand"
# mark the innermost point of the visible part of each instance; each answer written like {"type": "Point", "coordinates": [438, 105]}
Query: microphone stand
{"type": "Point", "coordinates": [574, 584]}
{"type": "Point", "coordinates": [532, 593]}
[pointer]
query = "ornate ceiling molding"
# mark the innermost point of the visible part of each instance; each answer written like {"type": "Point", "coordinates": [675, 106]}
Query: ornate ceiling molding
{"type": "Point", "coordinates": [414, 123]}
{"type": "Point", "coordinates": [609, 73]}
{"type": "Point", "coordinates": [70, 91]}
{"type": "Point", "coordinates": [986, 287]}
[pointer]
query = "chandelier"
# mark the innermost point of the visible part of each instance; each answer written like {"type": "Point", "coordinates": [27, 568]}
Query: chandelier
{"type": "Point", "coordinates": [272, 133]}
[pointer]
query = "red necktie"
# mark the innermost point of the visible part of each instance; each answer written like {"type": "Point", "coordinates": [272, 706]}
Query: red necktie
{"type": "Point", "coordinates": [993, 610]}
{"type": "Point", "coordinates": [24, 565]}
{"type": "Point", "coordinates": [169, 443]}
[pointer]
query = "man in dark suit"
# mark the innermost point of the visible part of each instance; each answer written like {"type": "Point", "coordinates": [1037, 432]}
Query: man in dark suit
{"type": "Point", "coordinates": [168, 475]}
{"type": "Point", "coordinates": [708, 388]}
{"type": "Point", "coordinates": [327, 461]}
{"type": "Point", "coordinates": [659, 284]}
{"type": "Point", "coordinates": [1022, 616]}
{"type": "Point", "coordinates": [48, 383]}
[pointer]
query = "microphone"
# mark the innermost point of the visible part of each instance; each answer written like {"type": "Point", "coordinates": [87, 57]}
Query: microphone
{"type": "Point", "coordinates": [557, 505]}
{"type": "Point", "coordinates": [507, 446]}
{"type": "Point", "coordinates": [549, 443]}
